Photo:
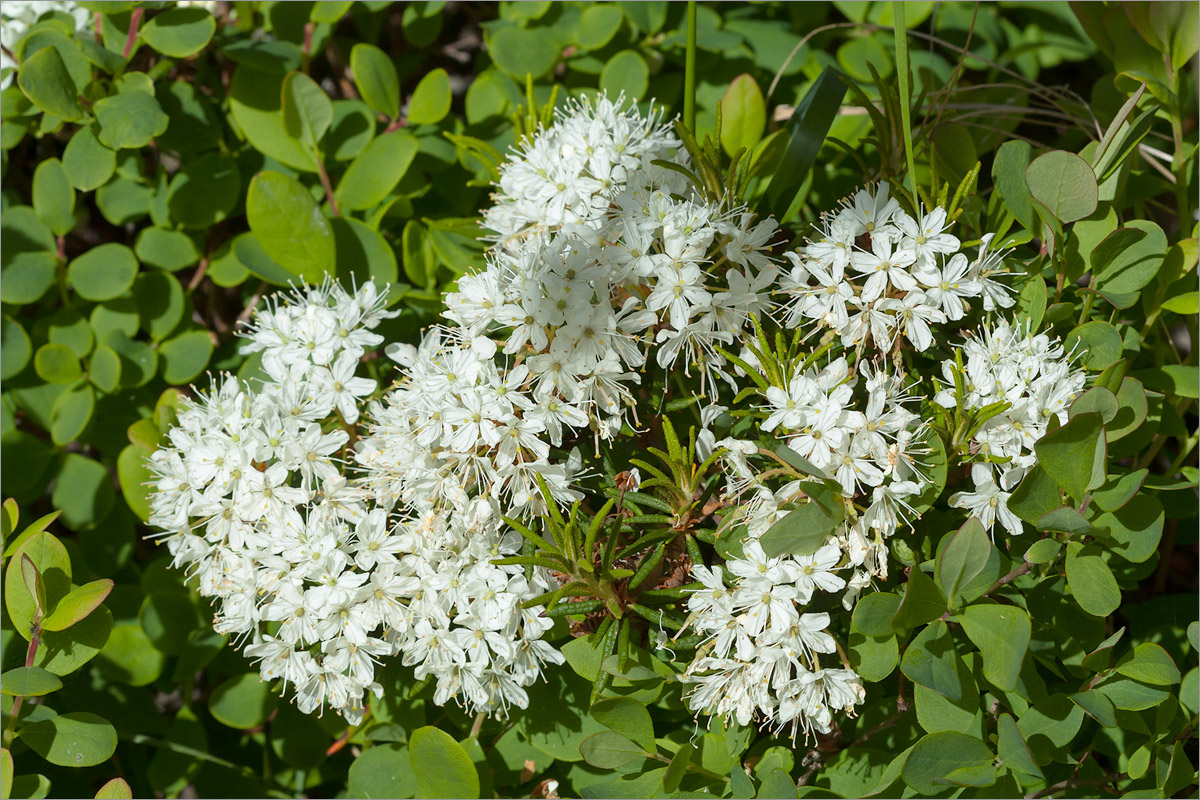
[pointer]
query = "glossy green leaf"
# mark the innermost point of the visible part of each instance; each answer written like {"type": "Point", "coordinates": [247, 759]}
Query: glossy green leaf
{"type": "Point", "coordinates": [626, 73]}
{"type": "Point", "coordinates": [166, 249]}
{"type": "Point", "coordinates": [104, 272]}
{"type": "Point", "coordinates": [1149, 663]}
{"type": "Point", "coordinates": [71, 413]}
{"type": "Point", "coordinates": [243, 701]}
{"type": "Point", "coordinates": [628, 718]}
{"type": "Point", "coordinates": [376, 79]}
{"type": "Point", "coordinates": [179, 32]}
{"type": "Point", "coordinates": [523, 51]}
{"type": "Point", "coordinates": [430, 101]}
{"type": "Point", "coordinates": [964, 556]}
{"type": "Point", "coordinates": [609, 750]}
{"type": "Point", "coordinates": [205, 191]}
{"type": "Point", "coordinates": [185, 356]}
{"type": "Point", "coordinates": [455, 775]}
{"type": "Point", "coordinates": [376, 171]}
{"type": "Point", "coordinates": [77, 604]}
{"type": "Point", "coordinates": [49, 558]}
{"type": "Point", "coordinates": [289, 225]}
{"type": "Point", "coordinates": [74, 739]}
{"type": "Point", "coordinates": [29, 682]}
{"type": "Point", "coordinates": [307, 110]}
{"type": "Point", "coordinates": [932, 661]}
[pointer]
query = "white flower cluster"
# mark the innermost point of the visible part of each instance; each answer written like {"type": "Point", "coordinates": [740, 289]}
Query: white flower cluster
{"type": "Point", "coordinates": [18, 16]}
{"type": "Point", "coordinates": [762, 653]}
{"type": "Point", "coordinates": [549, 338]}
{"type": "Point", "coordinates": [907, 274]}
{"type": "Point", "coordinates": [571, 171]}
{"type": "Point", "coordinates": [772, 669]}
{"type": "Point", "coordinates": [253, 503]}
{"type": "Point", "coordinates": [1032, 374]}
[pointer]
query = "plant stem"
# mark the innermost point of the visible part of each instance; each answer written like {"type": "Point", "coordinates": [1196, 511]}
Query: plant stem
{"type": "Point", "coordinates": [34, 639]}
{"type": "Point", "coordinates": [325, 184]}
{"type": "Point", "coordinates": [135, 20]}
{"type": "Point", "coordinates": [900, 31]}
{"type": "Point", "coordinates": [689, 70]}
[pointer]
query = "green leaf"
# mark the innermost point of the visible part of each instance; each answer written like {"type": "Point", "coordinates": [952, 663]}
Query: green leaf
{"type": "Point", "coordinates": [368, 254]}
{"type": "Point", "coordinates": [63, 652]}
{"type": "Point", "coordinates": [1136, 527]}
{"type": "Point", "coordinates": [52, 564]}
{"type": "Point", "coordinates": [873, 614]}
{"type": "Point", "coordinates": [1098, 706]}
{"type": "Point", "coordinates": [626, 73]}
{"type": "Point", "coordinates": [115, 789]}
{"type": "Point", "coordinates": [75, 739]}
{"type": "Point", "coordinates": [384, 770]}
{"type": "Point", "coordinates": [71, 413]}
{"type": "Point", "coordinates": [1187, 303]}
{"type": "Point", "coordinates": [1129, 257]}
{"type": "Point", "coordinates": [628, 718]}
{"type": "Point", "coordinates": [420, 261]}
{"type": "Point", "coordinates": [493, 94]}
{"type": "Point", "coordinates": [166, 249]}
{"type": "Point", "coordinates": [29, 682]}
{"type": "Point", "coordinates": [1074, 455]}
{"type": "Point", "coordinates": [44, 79]}
{"type": "Point", "coordinates": [1064, 184]}
{"type": "Point", "coordinates": [243, 701]}
{"type": "Point", "coordinates": [168, 617]}
{"type": "Point", "coordinates": [377, 170]}
{"type": "Point", "coordinates": [256, 101]}
{"type": "Point", "coordinates": [27, 276]}
{"type": "Point", "coordinates": [523, 51]}
{"type": "Point", "coordinates": [130, 119]}
{"type": "Point", "coordinates": [135, 478]}
{"type": "Point", "coordinates": [104, 272]}
{"type": "Point", "coordinates": [1008, 176]}
{"type": "Point", "coordinates": [1091, 581]}
{"type": "Point", "coordinates": [250, 253]}
{"type": "Point", "coordinates": [808, 126]}
{"type": "Point", "coordinates": [56, 363]}
{"type": "Point", "coordinates": [1043, 551]}
{"type": "Point", "coordinates": [376, 79]}
{"type": "Point", "coordinates": [872, 657]}
{"type": "Point", "coordinates": [455, 774]}
{"type": "Point", "coordinates": [1118, 490]}
{"type": "Point", "coordinates": [1097, 343]}
{"type": "Point", "coordinates": [185, 356]}
{"type": "Point", "coordinates": [931, 660]}
{"type": "Point", "coordinates": [963, 557]}
{"type": "Point", "coordinates": [948, 756]}
{"type": "Point", "coordinates": [78, 604]}
{"type": "Point", "coordinates": [53, 196]}
{"type": "Point", "coordinates": [923, 602]}
{"type": "Point", "coordinates": [204, 191]}
{"type": "Point", "coordinates": [160, 303]}
{"type": "Point", "coordinates": [289, 225]}
{"type": "Point", "coordinates": [743, 115]}
{"type": "Point", "coordinates": [801, 532]}
{"type": "Point", "coordinates": [128, 657]}
{"type": "Point", "coordinates": [609, 750]}
{"type": "Point", "coordinates": [1001, 633]}
{"type": "Point", "coordinates": [1149, 663]}
{"type": "Point", "coordinates": [1035, 496]}
{"type": "Point", "coordinates": [307, 110]}
{"type": "Point", "coordinates": [15, 350]}
{"type": "Point", "coordinates": [430, 101]}
{"type": "Point", "coordinates": [598, 25]}
{"type": "Point", "coordinates": [1012, 749]}
{"type": "Point", "coordinates": [179, 32]}
{"type": "Point", "coordinates": [1097, 400]}
{"type": "Point", "coordinates": [69, 327]}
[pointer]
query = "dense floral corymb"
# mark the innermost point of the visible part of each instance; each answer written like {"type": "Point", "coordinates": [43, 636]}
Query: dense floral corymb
{"type": "Point", "coordinates": [335, 536]}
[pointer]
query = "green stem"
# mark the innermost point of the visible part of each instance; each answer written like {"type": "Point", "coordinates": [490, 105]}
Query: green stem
{"type": "Point", "coordinates": [689, 70]}
{"type": "Point", "coordinates": [900, 30]}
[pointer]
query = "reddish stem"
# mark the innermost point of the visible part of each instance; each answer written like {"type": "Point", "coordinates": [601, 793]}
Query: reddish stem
{"type": "Point", "coordinates": [135, 22]}
{"type": "Point", "coordinates": [333, 206]}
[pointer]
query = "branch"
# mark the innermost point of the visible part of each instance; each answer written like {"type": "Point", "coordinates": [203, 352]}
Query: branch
{"type": "Point", "coordinates": [1071, 783]}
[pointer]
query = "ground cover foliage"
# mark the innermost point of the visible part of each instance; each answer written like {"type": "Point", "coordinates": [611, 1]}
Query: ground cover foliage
{"type": "Point", "coordinates": [167, 166]}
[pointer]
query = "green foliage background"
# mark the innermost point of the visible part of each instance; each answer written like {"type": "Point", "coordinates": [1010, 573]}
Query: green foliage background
{"type": "Point", "coordinates": [166, 170]}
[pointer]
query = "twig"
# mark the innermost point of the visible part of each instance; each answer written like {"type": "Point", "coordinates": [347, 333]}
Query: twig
{"type": "Point", "coordinates": [249, 309]}
{"type": "Point", "coordinates": [1070, 783]}
{"type": "Point", "coordinates": [134, 22]}
{"type": "Point", "coordinates": [1009, 578]}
